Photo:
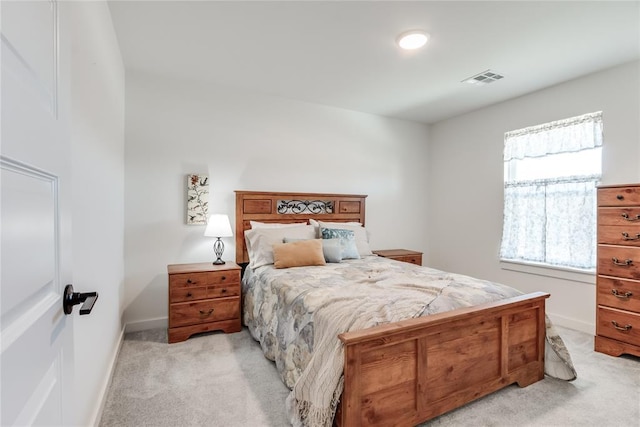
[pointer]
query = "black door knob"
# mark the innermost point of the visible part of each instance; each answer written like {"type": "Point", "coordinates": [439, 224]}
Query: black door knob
{"type": "Point", "coordinates": [70, 298]}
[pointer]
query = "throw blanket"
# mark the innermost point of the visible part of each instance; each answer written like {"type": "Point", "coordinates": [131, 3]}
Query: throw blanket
{"type": "Point", "coordinates": [296, 314]}
{"type": "Point", "coordinates": [315, 395]}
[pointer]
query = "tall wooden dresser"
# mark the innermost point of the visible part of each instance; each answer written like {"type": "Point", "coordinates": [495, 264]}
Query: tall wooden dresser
{"type": "Point", "coordinates": [618, 270]}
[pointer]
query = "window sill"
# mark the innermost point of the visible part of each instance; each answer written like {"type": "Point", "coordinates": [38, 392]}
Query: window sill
{"type": "Point", "coordinates": [564, 273]}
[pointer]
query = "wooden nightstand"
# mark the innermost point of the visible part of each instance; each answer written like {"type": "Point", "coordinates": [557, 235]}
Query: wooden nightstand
{"type": "Point", "coordinates": [405, 255]}
{"type": "Point", "coordinates": [203, 297]}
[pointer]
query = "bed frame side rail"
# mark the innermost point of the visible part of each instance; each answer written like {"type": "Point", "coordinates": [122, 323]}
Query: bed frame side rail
{"type": "Point", "coordinates": [407, 372]}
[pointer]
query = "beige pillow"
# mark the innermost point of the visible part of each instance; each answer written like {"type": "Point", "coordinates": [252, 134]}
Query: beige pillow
{"type": "Point", "coordinates": [298, 254]}
{"type": "Point", "coordinates": [260, 241]}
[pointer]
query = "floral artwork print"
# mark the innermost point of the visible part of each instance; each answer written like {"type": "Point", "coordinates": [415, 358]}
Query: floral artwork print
{"type": "Point", "coordinates": [197, 199]}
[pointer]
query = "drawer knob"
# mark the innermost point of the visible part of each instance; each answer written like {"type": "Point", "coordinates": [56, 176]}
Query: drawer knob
{"type": "Point", "coordinates": [625, 263]}
{"type": "Point", "coordinates": [190, 282]}
{"type": "Point", "coordinates": [189, 295]}
{"type": "Point", "coordinates": [224, 290]}
{"type": "Point", "coordinates": [626, 216]}
{"type": "Point", "coordinates": [620, 197]}
{"type": "Point", "coordinates": [206, 313]}
{"type": "Point", "coordinates": [224, 277]}
{"type": "Point", "coordinates": [625, 328]}
{"type": "Point", "coordinates": [617, 294]}
{"type": "Point", "coordinates": [625, 236]}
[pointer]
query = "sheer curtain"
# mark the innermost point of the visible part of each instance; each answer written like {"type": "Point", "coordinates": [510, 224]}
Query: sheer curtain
{"type": "Point", "coordinates": [550, 208]}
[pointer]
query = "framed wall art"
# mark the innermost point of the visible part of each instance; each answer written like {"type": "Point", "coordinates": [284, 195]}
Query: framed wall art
{"type": "Point", "coordinates": [197, 199]}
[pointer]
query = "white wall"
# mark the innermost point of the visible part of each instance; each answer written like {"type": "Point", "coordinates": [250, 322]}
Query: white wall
{"type": "Point", "coordinates": [252, 142]}
{"type": "Point", "coordinates": [465, 179]}
{"type": "Point", "coordinates": [97, 158]}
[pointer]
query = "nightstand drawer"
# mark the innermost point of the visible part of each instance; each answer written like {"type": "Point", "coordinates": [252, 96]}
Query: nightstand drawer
{"type": "Point", "coordinates": [211, 310]}
{"type": "Point", "coordinates": [404, 255]}
{"type": "Point", "coordinates": [413, 259]}
{"type": "Point", "coordinates": [224, 290]}
{"type": "Point", "coordinates": [184, 280]}
{"type": "Point", "coordinates": [187, 294]}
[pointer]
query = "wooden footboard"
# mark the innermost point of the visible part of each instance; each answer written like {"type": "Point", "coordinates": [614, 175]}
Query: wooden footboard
{"type": "Point", "coordinates": [407, 372]}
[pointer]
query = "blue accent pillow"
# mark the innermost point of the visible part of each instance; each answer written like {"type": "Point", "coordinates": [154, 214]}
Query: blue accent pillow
{"type": "Point", "coordinates": [348, 247]}
{"type": "Point", "coordinates": [331, 248]}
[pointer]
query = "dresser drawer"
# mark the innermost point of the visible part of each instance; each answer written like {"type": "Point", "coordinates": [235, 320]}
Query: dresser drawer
{"type": "Point", "coordinates": [619, 196]}
{"type": "Point", "coordinates": [626, 235]}
{"type": "Point", "coordinates": [210, 310]}
{"type": "Point", "coordinates": [619, 325]}
{"type": "Point", "coordinates": [203, 279]}
{"type": "Point", "coordinates": [619, 293]}
{"type": "Point", "coordinates": [619, 261]}
{"type": "Point", "coordinates": [187, 294]}
{"type": "Point", "coordinates": [619, 216]}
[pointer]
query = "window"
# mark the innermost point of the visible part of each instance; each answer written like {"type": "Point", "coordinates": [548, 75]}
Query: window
{"type": "Point", "coordinates": [550, 177]}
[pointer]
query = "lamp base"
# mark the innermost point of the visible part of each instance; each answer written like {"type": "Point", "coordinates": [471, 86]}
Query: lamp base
{"type": "Point", "coordinates": [218, 249]}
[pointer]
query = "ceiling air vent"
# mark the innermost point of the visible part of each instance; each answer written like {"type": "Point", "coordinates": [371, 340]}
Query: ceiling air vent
{"type": "Point", "coordinates": [483, 78]}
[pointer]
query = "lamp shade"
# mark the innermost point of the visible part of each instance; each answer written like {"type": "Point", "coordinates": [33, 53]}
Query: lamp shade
{"type": "Point", "coordinates": [218, 226]}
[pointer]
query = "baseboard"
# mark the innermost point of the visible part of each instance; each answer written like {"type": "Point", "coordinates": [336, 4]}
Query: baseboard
{"type": "Point", "coordinates": [143, 325]}
{"type": "Point", "coordinates": [571, 323]}
{"type": "Point", "coordinates": [97, 414]}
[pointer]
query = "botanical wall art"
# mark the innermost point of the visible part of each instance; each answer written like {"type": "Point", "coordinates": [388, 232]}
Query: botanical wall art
{"type": "Point", "coordinates": [197, 199]}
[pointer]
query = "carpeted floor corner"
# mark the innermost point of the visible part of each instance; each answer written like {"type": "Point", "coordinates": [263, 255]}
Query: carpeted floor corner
{"type": "Point", "coordinates": [219, 379]}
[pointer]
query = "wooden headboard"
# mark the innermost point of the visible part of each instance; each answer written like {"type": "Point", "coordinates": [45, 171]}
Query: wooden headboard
{"type": "Point", "coordinates": [291, 208]}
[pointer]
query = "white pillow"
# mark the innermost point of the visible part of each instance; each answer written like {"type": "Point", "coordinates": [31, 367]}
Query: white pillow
{"type": "Point", "coordinates": [260, 241]}
{"type": "Point", "coordinates": [362, 239]}
{"type": "Point", "coordinates": [316, 223]}
{"type": "Point", "coordinates": [256, 224]}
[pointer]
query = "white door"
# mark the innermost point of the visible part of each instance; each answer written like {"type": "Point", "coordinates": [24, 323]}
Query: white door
{"type": "Point", "coordinates": [36, 337]}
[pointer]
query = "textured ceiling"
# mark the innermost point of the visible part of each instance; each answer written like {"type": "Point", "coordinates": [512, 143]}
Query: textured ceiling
{"type": "Point", "coordinates": [343, 53]}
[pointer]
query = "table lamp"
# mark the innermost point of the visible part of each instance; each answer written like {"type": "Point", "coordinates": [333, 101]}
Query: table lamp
{"type": "Point", "coordinates": [218, 226]}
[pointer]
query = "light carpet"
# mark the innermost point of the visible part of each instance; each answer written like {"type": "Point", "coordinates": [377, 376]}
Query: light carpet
{"type": "Point", "coordinates": [219, 379]}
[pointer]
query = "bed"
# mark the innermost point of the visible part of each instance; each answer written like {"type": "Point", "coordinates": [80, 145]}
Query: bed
{"type": "Point", "coordinates": [389, 363]}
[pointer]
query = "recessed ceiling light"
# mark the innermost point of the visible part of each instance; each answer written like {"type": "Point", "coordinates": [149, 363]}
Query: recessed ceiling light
{"type": "Point", "coordinates": [413, 39]}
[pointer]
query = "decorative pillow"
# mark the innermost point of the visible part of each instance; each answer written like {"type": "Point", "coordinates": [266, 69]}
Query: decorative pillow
{"type": "Point", "coordinates": [256, 224]}
{"type": "Point", "coordinates": [298, 254]}
{"type": "Point", "coordinates": [331, 248]}
{"type": "Point", "coordinates": [260, 241]}
{"type": "Point", "coordinates": [348, 247]}
{"type": "Point", "coordinates": [361, 235]}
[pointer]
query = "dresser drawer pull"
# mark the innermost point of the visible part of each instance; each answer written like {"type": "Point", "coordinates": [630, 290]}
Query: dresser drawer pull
{"type": "Point", "coordinates": [620, 197]}
{"type": "Point", "coordinates": [206, 313]}
{"type": "Point", "coordinates": [224, 277]}
{"type": "Point", "coordinates": [189, 294]}
{"type": "Point", "coordinates": [621, 328]}
{"type": "Point", "coordinates": [191, 282]}
{"type": "Point", "coordinates": [626, 216]}
{"type": "Point", "coordinates": [224, 290]}
{"type": "Point", "coordinates": [627, 262]}
{"type": "Point", "coordinates": [619, 295]}
{"type": "Point", "coordinates": [625, 236]}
